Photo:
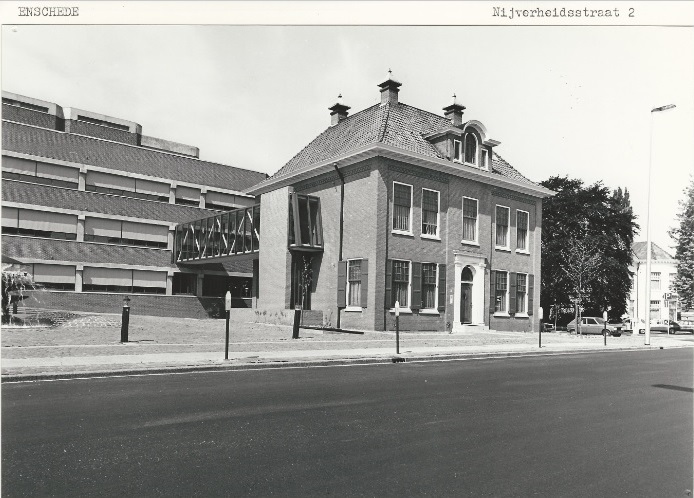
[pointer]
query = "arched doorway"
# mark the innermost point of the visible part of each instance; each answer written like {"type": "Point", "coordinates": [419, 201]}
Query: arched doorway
{"type": "Point", "coordinates": [466, 278]}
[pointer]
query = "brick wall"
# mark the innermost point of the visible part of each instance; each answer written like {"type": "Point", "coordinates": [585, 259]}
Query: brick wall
{"type": "Point", "coordinates": [274, 258]}
{"type": "Point", "coordinates": [92, 130]}
{"type": "Point", "coordinates": [153, 305]}
{"type": "Point", "coordinates": [35, 118]}
{"type": "Point", "coordinates": [415, 248]}
{"type": "Point", "coordinates": [359, 239]}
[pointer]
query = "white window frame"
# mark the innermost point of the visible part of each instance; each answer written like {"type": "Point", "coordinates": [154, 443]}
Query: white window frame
{"type": "Point", "coordinates": [393, 229]}
{"type": "Point", "coordinates": [352, 307]}
{"type": "Point", "coordinates": [508, 288]}
{"type": "Point", "coordinates": [656, 282]}
{"type": "Point", "coordinates": [527, 233]}
{"type": "Point", "coordinates": [477, 221]}
{"type": "Point", "coordinates": [458, 157]}
{"type": "Point", "coordinates": [484, 158]}
{"type": "Point", "coordinates": [436, 236]}
{"type": "Point", "coordinates": [435, 309]}
{"type": "Point", "coordinates": [507, 247]}
{"type": "Point", "coordinates": [475, 156]}
{"type": "Point", "coordinates": [409, 287]}
{"type": "Point", "coordinates": [525, 299]}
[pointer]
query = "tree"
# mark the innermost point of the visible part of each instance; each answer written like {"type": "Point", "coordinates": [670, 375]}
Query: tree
{"type": "Point", "coordinates": [581, 263]}
{"type": "Point", "coordinates": [604, 223]}
{"type": "Point", "coordinates": [683, 235]}
{"type": "Point", "coordinates": [13, 284]}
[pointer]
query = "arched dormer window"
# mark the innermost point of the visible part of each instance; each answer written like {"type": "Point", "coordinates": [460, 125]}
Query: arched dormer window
{"type": "Point", "coordinates": [471, 148]}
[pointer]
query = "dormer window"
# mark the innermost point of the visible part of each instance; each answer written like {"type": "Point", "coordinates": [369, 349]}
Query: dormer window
{"type": "Point", "coordinates": [457, 150]}
{"type": "Point", "coordinates": [471, 149]}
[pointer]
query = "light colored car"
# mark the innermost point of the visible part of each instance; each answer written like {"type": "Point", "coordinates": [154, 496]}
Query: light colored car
{"type": "Point", "coordinates": [592, 325]}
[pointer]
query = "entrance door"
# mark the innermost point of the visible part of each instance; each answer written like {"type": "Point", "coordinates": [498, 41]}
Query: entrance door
{"type": "Point", "coordinates": [466, 295]}
{"type": "Point", "coordinates": [465, 303]}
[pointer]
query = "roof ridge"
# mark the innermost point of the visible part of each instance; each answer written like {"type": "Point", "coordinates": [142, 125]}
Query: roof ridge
{"type": "Point", "coordinates": [423, 110]}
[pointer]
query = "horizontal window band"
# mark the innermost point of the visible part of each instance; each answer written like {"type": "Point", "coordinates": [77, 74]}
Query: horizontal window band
{"type": "Point", "coordinates": [39, 233]}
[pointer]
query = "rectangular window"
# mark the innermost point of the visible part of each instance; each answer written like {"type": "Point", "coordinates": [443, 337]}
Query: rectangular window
{"type": "Point", "coordinates": [522, 218]}
{"type": "Point", "coordinates": [485, 159]}
{"type": "Point", "coordinates": [305, 222]}
{"type": "Point", "coordinates": [430, 213]}
{"type": "Point", "coordinates": [469, 219]}
{"type": "Point", "coordinates": [458, 150]}
{"type": "Point", "coordinates": [184, 283]}
{"type": "Point", "coordinates": [521, 293]}
{"type": "Point", "coordinates": [502, 217]}
{"type": "Point", "coordinates": [401, 283]}
{"type": "Point", "coordinates": [55, 277]}
{"type": "Point", "coordinates": [354, 282]}
{"type": "Point", "coordinates": [501, 297]}
{"type": "Point", "coordinates": [402, 207]}
{"type": "Point", "coordinates": [429, 289]}
{"type": "Point", "coordinates": [655, 280]}
{"type": "Point", "coordinates": [40, 224]}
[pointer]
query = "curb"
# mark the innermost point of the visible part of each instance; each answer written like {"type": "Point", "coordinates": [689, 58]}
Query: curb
{"type": "Point", "coordinates": [279, 364]}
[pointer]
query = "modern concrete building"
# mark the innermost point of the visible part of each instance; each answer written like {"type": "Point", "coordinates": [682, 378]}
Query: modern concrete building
{"type": "Point", "coordinates": [397, 204]}
{"type": "Point", "coordinates": [90, 205]}
{"type": "Point", "coordinates": [663, 272]}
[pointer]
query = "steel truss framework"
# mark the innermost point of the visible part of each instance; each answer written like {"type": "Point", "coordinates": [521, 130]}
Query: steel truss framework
{"type": "Point", "coordinates": [225, 234]}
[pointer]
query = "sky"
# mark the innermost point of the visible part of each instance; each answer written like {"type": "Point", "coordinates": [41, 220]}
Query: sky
{"type": "Point", "coordinates": [562, 100]}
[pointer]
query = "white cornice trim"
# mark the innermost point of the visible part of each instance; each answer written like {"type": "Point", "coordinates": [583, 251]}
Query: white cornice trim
{"type": "Point", "coordinates": [436, 164]}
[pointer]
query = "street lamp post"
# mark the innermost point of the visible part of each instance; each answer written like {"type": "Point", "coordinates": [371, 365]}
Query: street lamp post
{"type": "Point", "coordinates": [647, 308]}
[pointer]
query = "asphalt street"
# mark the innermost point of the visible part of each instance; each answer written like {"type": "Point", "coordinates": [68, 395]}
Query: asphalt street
{"type": "Point", "coordinates": [608, 424]}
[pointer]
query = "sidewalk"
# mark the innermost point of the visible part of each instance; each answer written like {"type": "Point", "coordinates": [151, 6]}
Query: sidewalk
{"type": "Point", "coordinates": [90, 346]}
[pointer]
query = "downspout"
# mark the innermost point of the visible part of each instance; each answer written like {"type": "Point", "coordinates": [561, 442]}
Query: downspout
{"type": "Point", "coordinates": [342, 214]}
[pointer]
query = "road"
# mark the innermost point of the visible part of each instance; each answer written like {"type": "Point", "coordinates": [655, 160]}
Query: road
{"type": "Point", "coordinates": [607, 424]}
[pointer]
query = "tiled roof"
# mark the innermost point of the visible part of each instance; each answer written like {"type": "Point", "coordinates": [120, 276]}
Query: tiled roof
{"type": "Point", "coordinates": [130, 159]}
{"type": "Point", "coordinates": [16, 248]}
{"type": "Point", "coordinates": [657, 252]}
{"type": "Point", "coordinates": [42, 195]}
{"type": "Point", "coordinates": [395, 124]}
{"type": "Point", "coordinates": [23, 248]}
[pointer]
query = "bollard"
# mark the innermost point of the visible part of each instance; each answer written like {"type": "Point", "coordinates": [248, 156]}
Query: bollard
{"type": "Point", "coordinates": [125, 320]}
{"type": "Point", "coordinates": [397, 327]}
{"type": "Point", "coordinates": [540, 313]}
{"type": "Point", "coordinates": [227, 309]}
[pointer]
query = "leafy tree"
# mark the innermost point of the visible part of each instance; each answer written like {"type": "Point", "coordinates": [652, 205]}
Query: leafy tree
{"type": "Point", "coordinates": [13, 284]}
{"type": "Point", "coordinates": [684, 252]}
{"type": "Point", "coordinates": [604, 223]}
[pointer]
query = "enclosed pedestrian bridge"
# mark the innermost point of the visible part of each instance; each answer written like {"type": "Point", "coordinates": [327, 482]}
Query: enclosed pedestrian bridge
{"type": "Point", "coordinates": [236, 234]}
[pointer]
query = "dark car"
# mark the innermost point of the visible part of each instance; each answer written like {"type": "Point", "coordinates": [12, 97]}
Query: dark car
{"type": "Point", "coordinates": [671, 328]}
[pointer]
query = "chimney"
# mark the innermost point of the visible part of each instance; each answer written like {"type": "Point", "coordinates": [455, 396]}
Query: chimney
{"type": "Point", "coordinates": [390, 89]}
{"type": "Point", "coordinates": [454, 112]}
{"type": "Point", "coordinates": [338, 112]}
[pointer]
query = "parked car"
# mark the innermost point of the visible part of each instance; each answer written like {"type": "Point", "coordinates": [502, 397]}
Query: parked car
{"type": "Point", "coordinates": [670, 327]}
{"type": "Point", "coordinates": [593, 325]}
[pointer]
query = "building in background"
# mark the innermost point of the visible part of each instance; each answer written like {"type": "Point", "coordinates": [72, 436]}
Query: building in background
{"type": "Point", "coordinates": [397, 204]}
{"type": "Point", "coordinates": [663, 272]}
{"type": "Point", "coordinates": [89, 208]}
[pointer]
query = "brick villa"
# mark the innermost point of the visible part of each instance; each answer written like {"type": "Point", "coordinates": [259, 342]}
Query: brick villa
{"type": "Point", "coordinates": [391, 203]}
